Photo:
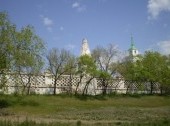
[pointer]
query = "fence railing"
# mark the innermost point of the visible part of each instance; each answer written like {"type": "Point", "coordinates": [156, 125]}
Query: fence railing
{"type": "Point", "coordinates": [44, 84]}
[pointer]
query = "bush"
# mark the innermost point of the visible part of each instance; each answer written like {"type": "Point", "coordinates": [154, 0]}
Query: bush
{"type": "Point", "coordinates": [4, 103]}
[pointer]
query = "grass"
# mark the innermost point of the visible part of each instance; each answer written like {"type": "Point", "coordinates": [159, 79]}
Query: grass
{"type": "Point", "coordinates": [85, 110]}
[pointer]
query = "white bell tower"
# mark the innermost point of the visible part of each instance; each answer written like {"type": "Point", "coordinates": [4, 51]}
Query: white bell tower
{"type": "Point", "coordinates": [85, 48]}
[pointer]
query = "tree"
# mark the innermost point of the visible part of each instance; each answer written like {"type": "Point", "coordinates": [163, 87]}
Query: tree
{"type": "Point", "coordinates": [130, 71]}
{"type": "Point", "coordinates": [151, 67]}
{"type": "Point", "coordinates": [86, 68]}
{"type": "Point", "coordinates": [71, 68]}
{"type": "Point", "coordinates": [165, 77]}
{"type": "Point", "coordinates": [104, 57]}
{"type": "Point", "coordinates": [28, 59]}
{"type": "Point", "coordinates": [59, 63]}
{"type": "Point", "coordinates": [22, 50]}
{"type": "Point", "coordinates": [6, 31]}
{"type": "Point", "coordinates": [155, 67]}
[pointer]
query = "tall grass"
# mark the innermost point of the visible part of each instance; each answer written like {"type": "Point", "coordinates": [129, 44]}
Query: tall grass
{"type": "Point", "coordinates": [116, 109]}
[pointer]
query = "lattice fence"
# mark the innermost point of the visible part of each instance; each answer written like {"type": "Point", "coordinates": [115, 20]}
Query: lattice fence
{"type": "Point", "coordinates": [142, 87]}
{"type": "Point", "coordinates": [44, 84]}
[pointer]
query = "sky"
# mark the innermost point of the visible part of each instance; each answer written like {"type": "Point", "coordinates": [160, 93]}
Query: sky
{"type": "Point", "coordinates": [64, 23]}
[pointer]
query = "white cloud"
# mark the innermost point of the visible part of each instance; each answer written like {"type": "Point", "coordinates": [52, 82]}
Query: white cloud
{"type": "Point", "coordinates": [75, 5]}
{"type": "Point", "coordinates": [79, 7]}
{"type": "Point", "coordinates": [155, 7]}
{"type": "Point", "coordinates": [48, 23]}
{"type": "Point", "coordinates": [164, 47]}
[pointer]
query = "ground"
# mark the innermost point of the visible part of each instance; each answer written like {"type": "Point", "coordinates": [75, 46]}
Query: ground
{"type": "Point", "coordinates": [89, 110]}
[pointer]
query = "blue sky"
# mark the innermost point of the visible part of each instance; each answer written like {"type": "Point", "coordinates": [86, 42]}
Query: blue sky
{"type": "Point", "coordinates": [64, 23]}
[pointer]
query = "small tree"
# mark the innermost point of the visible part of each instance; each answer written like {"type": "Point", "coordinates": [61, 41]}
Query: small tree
{"type": "Point", "coordinates": [71, 67]}
{"type": "Point", "coordinates": [58, 62]}
{"type": "Point", "coordinates": [86, 68]}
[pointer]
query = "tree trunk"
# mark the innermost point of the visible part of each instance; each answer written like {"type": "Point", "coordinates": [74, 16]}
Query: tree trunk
{"type": "Point", "coordinates": [78, 84]}
{"type": "Point", "coordinates": [29, 85]}
{"type": "Point", "coordinates": [104, 86]}
{"type": "Point", "coordinates": [86, 86]}
{"type": "Point", "coordinates": [128, 86]}
{"type": "Point", "coordinates": [70, 84]}
{"type": "Point", "coordinates": [55, 85]}
{"type": "Point", "coordinates": [161, 89]}
{"type": "Point", "coordinates": [151, 91]}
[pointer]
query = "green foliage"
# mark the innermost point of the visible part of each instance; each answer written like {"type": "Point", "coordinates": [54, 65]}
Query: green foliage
{"type": "Point", "coordinates": [21, 49]}
{"type": "Point", "coordinates": [4, 103]}
{"type": "Point", "coordinates": [151, 67]}
{"type": "Point", "coordinates": [30, 47]}
{"type": "Point", "coordinates": [6, 31]}
{"type": "Point", "coordinates": [86, 65]}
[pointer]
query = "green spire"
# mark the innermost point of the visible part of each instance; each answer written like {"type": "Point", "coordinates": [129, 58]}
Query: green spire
{"type": "Point", "coordinates": [132, 44]}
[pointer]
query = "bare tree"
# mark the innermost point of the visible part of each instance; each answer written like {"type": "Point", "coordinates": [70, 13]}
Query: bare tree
{"type": "Point", "coordinates": [104, 57]}
{"type": "Point", "coordinates": [58, 61]}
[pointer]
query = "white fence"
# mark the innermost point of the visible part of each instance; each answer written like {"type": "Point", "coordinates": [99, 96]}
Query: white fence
{"type": "Point", "coordinates": [44, 84]}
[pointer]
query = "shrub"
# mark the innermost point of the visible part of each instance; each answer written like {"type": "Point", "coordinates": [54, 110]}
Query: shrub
{"type": "Point", "coordinates": [4, 103]}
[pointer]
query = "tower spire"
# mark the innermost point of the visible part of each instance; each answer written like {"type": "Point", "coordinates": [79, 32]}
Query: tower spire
{"type": "Point", "coordinates": [132, 43]}
{"type": "Point", "coordinates": [133, 52]}
{"type": "Point", "coordinates": [85, 47]}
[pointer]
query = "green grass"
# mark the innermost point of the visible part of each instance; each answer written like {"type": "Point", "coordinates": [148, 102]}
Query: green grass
{"type": "Point", "coordinates": [79, 123]}
{"type": "Point", "coordinates": [86, 110]}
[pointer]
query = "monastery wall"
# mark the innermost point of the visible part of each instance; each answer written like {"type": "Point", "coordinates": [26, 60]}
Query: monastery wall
{"type": "Point", "coordinates": [44, 84]}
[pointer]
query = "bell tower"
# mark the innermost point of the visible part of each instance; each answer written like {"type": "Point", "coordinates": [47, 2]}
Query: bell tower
{"type": "Point", "coordinates": [85, 48]}
{"type": "Point", "coordinates": [133, 51]}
